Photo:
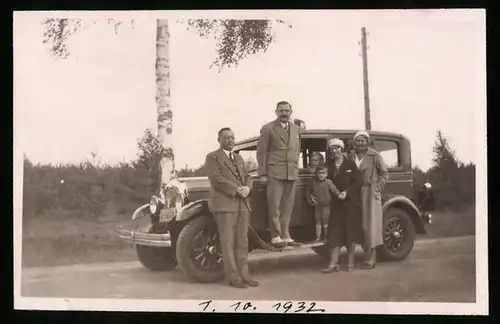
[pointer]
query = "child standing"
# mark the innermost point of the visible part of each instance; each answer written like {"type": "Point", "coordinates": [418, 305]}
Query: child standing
{"type": "Point", "coordinates": [320, 194]}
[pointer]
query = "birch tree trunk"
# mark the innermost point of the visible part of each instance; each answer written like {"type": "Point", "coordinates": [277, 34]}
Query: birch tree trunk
{"type": "Point", "coordinates": [164, 110]}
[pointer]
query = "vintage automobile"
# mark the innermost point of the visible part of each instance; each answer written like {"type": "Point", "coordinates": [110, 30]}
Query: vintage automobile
{"type": "Point", "coordinates": [181, 231]}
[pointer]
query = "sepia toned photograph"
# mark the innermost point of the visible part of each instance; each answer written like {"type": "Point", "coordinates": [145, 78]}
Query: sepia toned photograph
{"type": "Point", "coordinates": [277, 161]}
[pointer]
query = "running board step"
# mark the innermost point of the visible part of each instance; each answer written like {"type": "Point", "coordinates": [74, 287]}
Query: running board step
{"type": "Point", "coordinates": [303, 246]}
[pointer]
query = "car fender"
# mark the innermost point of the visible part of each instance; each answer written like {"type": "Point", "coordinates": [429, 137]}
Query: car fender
{"type": "Point", "coordinates": [139, 212]}
{"type": "Point", "coordinates": [407, 205]}
{"type": "Point", "coordinates": [192, 210]}
{"type": "Point", "coordinates": [199, 208]}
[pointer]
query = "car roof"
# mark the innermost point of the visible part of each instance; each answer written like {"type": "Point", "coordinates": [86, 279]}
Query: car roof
{"type": "Point", "coordinates": [327, 132]}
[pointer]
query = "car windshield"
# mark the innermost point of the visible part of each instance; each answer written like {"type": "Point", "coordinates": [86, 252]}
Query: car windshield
{"type": "Point", "coordinates": [249, 155]}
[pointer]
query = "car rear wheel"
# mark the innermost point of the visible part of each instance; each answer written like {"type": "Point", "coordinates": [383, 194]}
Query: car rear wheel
{"type": "Point", "coordinates": [198, 250]}
{"type": "Point", "coordinates": [398, 235]}
{"type": "Point", "coordinates": [156, 258]}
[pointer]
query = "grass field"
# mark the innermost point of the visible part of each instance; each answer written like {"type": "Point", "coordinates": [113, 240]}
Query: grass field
{"type": "Point", "coordinates": [52, 242]}
{"type": "Point", "coordinates": [449, 224]}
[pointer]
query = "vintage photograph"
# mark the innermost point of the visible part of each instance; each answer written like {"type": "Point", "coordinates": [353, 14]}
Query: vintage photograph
{"type": "Point", "coordinates": [272, 161]}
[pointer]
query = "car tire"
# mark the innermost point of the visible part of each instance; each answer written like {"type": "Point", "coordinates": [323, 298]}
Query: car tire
{"type": "Point", "coordinates": [186, 243]}
{"type": "Point", "coordinates": [396, 220]}
{"type": "Point", "coordinates": [156, 258]}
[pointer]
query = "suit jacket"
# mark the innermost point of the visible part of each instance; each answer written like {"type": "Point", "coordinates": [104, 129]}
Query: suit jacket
{"type": "Point", "coordinates": [278, 151]}
{"type": "Point", "coordinates": [225, 178]}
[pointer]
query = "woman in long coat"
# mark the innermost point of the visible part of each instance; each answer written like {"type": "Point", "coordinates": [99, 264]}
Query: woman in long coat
{"type": "Point", "coordinates": [374, 176]}
{"type": "Point", "coordinates": [344, 226]}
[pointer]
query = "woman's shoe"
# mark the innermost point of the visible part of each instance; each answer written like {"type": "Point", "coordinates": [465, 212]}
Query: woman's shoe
{"type": "Point", "coordinates": [330, 269]}
{"type": "Point", "coordinates": [351, 248]}
{"type": "Point", "coordinates": [370, 261]}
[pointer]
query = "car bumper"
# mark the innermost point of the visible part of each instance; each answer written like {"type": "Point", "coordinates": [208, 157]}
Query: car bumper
{"type": "Point", "coordinates": [141, 238]}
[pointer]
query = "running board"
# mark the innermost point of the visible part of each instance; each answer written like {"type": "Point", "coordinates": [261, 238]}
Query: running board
{"type": "Point", "coordinates": [270, 248]}
{"type": "Point", "coordinates": [302, 246]}
{"type": "Point", "coordinates": [309, 245]}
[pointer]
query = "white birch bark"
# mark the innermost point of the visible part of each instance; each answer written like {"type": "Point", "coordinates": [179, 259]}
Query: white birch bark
{"type": "Point", "coordinates": [164, 110]}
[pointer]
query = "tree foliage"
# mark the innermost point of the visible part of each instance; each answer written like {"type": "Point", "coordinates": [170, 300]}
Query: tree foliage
{"type": "Point", "coordinates": [149, 158]}
{"type": "Point", "coordinates": [453, 182]}
{"type": "Point", "coordinates": [236, 39]}
{"type": "Point", "coordinates": [444, 156]}
{"type": "Point", "coordinates": [58, 30]}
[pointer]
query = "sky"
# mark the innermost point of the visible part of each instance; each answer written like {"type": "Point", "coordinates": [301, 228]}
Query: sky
{"type": "Point", "coordinates": [427, 72]}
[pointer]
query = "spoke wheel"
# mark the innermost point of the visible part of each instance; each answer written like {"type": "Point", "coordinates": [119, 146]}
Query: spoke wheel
{"type": "Point", "coordinates": [198, 250]}
{"type": "Point", "coordinates": [394, 235]}
{"type": "Point", "coordinates": [206, 254]}
{"type": "Point", "coordinates": [398, 235]}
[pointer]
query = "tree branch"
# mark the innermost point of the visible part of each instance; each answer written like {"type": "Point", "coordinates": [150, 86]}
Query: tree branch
{"type": "Point", "coordinates": [58, 30]}
{"type": "Point", "coordinates": [236, 39]}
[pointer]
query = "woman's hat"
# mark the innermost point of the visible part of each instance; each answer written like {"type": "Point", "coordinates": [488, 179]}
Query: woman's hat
{"type": "Point", "coordinates": [362, 133]}
{"type": "Point", "coordinates": [335, 142]}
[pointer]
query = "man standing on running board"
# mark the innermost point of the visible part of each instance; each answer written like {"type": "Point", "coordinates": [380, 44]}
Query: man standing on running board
{"type": "Point", "coordinates": [278, 152]}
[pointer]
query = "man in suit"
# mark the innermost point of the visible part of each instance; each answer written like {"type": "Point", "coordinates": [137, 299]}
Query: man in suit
{"type": "Point", "coordinates": [278, 158]}
{"type": "Point", "coordinates": [230, 186]}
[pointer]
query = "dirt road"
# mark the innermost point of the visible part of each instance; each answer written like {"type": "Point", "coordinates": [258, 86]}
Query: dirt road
{"type": "Point", "coordinates": [438, 270]}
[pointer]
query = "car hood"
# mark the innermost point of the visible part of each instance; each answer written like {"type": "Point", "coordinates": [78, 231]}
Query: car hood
{"type": "Point", "coordinates": [193, 183]}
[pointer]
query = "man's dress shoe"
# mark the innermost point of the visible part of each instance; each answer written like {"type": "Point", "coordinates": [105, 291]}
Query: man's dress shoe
{"type": "Point", "coordinates": [238, 284]}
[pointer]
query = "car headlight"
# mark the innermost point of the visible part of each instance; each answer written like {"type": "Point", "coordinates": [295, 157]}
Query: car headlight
{"type": "Point", "coordinates": [174, 194]}
{"type": "Point", "coordinates": [154, 204]}
{"type": "Point", "coordinates": [171, 196]}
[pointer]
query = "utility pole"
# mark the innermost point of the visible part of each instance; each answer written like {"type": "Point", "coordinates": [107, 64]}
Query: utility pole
{"type": "Point", "coordinates": [368, 124]}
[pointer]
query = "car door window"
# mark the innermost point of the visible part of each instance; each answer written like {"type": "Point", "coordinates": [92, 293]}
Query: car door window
{"type": "Point", "coordinates": [309, 146]}
{"type": "Point", "coordinates": [389, 152]}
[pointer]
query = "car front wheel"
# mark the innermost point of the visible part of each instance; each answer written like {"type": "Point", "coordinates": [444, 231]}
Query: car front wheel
{"type": "Point", "coordinates": [398, 235]}
{"type": "Point", "coordinates": [198, 250]}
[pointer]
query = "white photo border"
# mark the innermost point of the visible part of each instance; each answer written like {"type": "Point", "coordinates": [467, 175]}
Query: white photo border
{"type": "Point", "coordinates": [480, 307]}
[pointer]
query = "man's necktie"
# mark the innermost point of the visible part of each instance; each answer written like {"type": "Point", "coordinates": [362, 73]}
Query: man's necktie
{"type": "Point", "coordinates": [231, 157]}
